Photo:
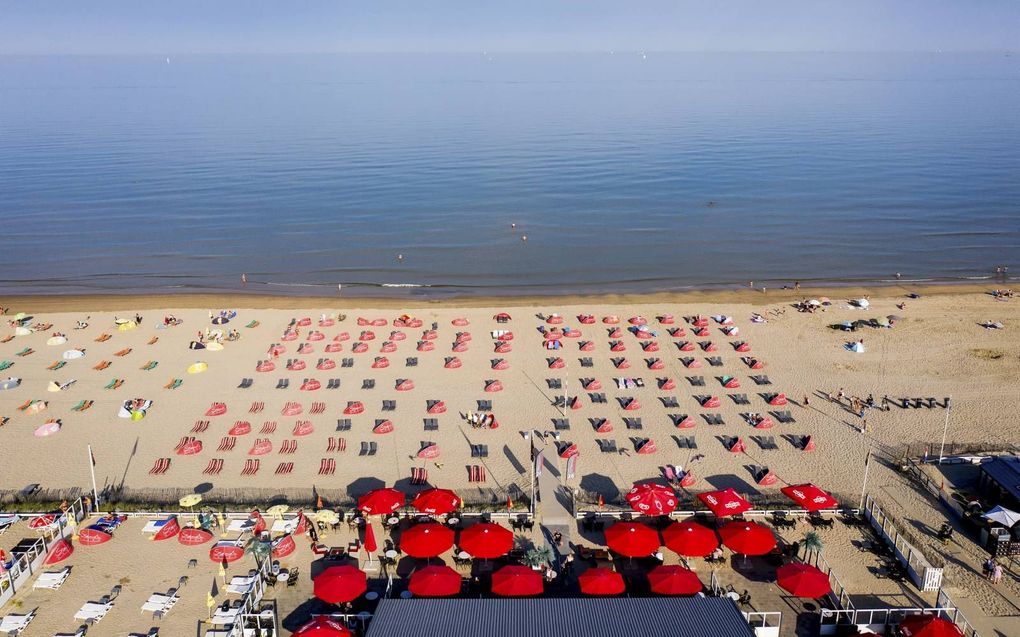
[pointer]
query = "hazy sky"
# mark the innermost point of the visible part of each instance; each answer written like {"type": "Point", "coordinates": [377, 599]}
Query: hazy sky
{"type": "Point", "coordinates": [182, 26]}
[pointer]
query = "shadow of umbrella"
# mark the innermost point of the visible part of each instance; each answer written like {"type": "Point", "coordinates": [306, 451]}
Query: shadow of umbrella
{"type": "Point", "coordinates": [203, 488]}
{"type": "Point", "coordinates": [361, 486]}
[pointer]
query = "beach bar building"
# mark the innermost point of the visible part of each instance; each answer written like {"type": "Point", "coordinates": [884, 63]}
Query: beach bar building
{"type": "Point", "coordinates": [1000, 481]}
{"type": "Point", "coordinates": [560, 617]}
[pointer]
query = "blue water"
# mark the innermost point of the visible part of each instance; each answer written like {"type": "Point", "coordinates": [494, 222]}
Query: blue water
{"type": "Point", "coordinates": [624, 172]}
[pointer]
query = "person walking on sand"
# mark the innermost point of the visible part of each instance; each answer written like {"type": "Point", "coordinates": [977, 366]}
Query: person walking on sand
{"type": "Point", "coordinates": [806, 401]}
{"type": "Point", "coordinates": [839, 395]}
{"type": "Point", "coordinates": [997, 573]}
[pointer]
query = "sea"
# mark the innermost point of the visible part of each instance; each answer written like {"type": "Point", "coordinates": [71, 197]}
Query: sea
{"type": "Point", "coordinates": [440, 175]}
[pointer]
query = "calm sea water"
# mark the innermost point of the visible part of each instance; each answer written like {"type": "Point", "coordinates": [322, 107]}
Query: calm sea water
{"type": "Point", "coordinates": [625, 172]}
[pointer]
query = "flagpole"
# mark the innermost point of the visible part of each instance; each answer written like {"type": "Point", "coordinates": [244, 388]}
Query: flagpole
{"type": "Point", "coordinates": [864, 486]}
{"type": "Point", "coordinates": [92, 470]}
{"type": "Point", "coordinates": [945, 429]}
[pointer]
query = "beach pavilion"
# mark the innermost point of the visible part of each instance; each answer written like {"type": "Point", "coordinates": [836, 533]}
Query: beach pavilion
{"type": "Point", "coordinates": [560, 617]}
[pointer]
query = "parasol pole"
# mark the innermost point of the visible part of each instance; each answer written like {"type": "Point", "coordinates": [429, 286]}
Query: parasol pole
{"type": "Point", "coordinates": [92, 470]}
{"type": "Point", "coordinates": [945, 428]}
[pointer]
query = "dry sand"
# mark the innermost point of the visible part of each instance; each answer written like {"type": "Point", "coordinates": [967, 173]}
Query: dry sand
{"type": "Point", "coordinates": [937, 350]}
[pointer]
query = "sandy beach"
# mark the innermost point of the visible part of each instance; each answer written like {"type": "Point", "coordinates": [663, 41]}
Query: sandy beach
{"type": "Point", "coordinates": [937, 350]}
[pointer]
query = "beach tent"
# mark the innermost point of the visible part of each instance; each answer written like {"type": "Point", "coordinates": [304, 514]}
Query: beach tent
{"type": "Point", "coordinates": [1003, 516]}
{"type": "Point", "coordinates": [72, 354]}
{"type": "Point", "coordinates": [56, 340]}
{"type": "Point", "coordinates": [197, 368]}
{"type": "Point", "coordinates": [22, 331]}
{"type": "Point", "coordinates": [214, 347]}
{"type": "Point", "coordinates": [855, 347]}
{"type": "Point", "coordinates": [127, 325]}
{"type": "Point", "coordinates": [10, 383]}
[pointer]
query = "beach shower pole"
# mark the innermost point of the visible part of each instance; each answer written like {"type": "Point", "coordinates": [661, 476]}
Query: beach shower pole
{"type": "Point", "coordinates": [945, 427]}
{"type": "Point", "coordinates": [864, 485]}
{"type": "Point", "coordinates": [92, 469]}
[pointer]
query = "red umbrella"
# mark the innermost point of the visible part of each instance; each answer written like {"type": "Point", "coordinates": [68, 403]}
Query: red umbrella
{"type": "Point", "coordinates": [724, 503]}
{"type": "Point", "coordinates": [339, 584]}
{"type": "Point", "coordinates": [810, 497]}
{"type": "Point", "coordinates": [601, 581]}
{"type": "Point", "coordinates": [435, 581]}
{"type": "Point", "coordinates": [747, 538]}
{"type": "Point", "coordinates": [517, 581]}
{"type": "Point", "coordinates": [426, 540]}
{"type": "Point", "coordinates": [436, 501]}
{"type": "Point", "coordinates": [370, 544]}
{"type": "Point", "coordinates": [632, 539]}
{"type": "Point", "coordinates": [381, 501]}
{"type": "Point", "coordinates": [923, 625]}
{"type": "Point", "coordinates": [674, 580]}
{"type": "Point", "coordinates": [803, 580]}
{"type": "Point", "coordinates": [486, 540]}
{"type": "Point", "coordinates": [322, 626]}
{"type": "Point", "coordinates": [690, 539]}
{"type": "Point", "coordinates": [652, 498]}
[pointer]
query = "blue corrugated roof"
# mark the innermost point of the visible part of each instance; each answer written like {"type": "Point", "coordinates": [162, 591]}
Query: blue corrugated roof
{"type": "Point", "coordinates": [1005, 470]}
{"type": "Point", "coordinates": [559, 617]}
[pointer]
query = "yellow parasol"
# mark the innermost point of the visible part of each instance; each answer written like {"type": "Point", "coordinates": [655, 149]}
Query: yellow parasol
{"type": "Point", "coordinates": [326, 516]}
{"type": "Point", "coordinates": [277, 510]}
{"type": "Point", "coordinates": [190, 500]}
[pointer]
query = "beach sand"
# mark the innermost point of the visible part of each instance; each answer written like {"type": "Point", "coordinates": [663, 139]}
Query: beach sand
{"type": "Point", "coordinates": [937, 350]}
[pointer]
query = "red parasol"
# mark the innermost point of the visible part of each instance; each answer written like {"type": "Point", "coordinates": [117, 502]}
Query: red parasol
{"type": "Point", "coordinates": [436, 501]}
{"type": "Point", "coordinates": [339, 584]}
{"type": "Point", "coordinates": [60, 551]}
{"type": "Point", "coordinates": [322, 626]}
{"type": "Point", "coordinates": [724, 503]}
{"type": "Point", "coordinates": [690, 539]}
{"type": "Point", "coordinates": [381, 501]}
{"type": "Point", "coordinates": [284, 546]}
{"type": "Point", "coordinates": [193, 537]}
{"type": "Point", "coordinates": [810, 497]}
{"type": "Point", "coordinates": [923, 625]}
{"type": "Point", "coordinates": [370, 544]}
{"type": "Point", "coordinates": [517, 581]}
{"type": "Point", "coordinates": [747, 538]}
{"type": "Point", "coordinates": [803, 580]}
{"type": "Point", "coordinates": [426, 540]}
{"type": "Point", "coordinates": [601, 581]}
{"type": "Point", "coordinates": [632, 539]}
{"type": "Point", "coordinates": [169, 529]}
{"type": "Point", "coordinates": [486, 540]}
{"type": "Point", "coordinates": [674, 580]}
{"type": "Point", "coordinates": [652, 498]}
{"type": "Point", "coordinates": [435, 581]}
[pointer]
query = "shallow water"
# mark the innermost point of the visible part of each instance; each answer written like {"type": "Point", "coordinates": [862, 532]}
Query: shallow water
{"type": "Point", "coordinates": [625, 173]}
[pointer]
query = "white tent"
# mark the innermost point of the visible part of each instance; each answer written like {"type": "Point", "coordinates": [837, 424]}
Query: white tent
{"type": "Point", "coordinates": [856, 347]}
{"type": "Point", "coordinates": [1003, 516]}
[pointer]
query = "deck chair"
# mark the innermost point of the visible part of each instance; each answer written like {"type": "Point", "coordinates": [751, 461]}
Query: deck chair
{"type": "Point", "coordinates": [372, 448]}
{"type": "Point", "coordinates": [561, 424]}
{"type": "Point", "coordinates": [245, 383]}
{"type": "Point", "coordinates": [714, 361]}
{"type": "Point", "coordinates": [364, 449]}
{"type": "Point", "coordinates": [782, 416]}
{"type": "Point", "coordinates": [412, 361]}
{"type": "Point", "coordinates": [687, 442]}
{"type": "Point", "coordinates": [389, 405]}
{"type": "Point", "coordinates": [343, 424]}
{"type": "Point", "coordinates": [669, 401]}
{"type": "Point", "coordinates": [586, 362]}
{"type": "Point", "coordinates": [761, 380]}
{"type": "Point", "coordinates": [283, 383]}
{"type": "Point", "coordinates": [696, 381]}
{"type": "Point", "coordinates": [419, 476]}
{"type": "Point", "coordinates": [431, 424]}
{"type": "Point", "coordinates": [347, 362]}
{"type": "Point", "coordinates": [598, 398]}
{"type": "Point", "coordinates": [554, 383]}
{"type": "Point", "coordinates": [368, 383]}
{"type": "Point", "coordinates": [713, 419]}
{"type": "Point", "coordinates": [739, 399]}
{"type": "Point", "coordinates": [633, 423]}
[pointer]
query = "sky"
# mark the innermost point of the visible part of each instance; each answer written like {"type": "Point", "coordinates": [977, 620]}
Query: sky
{"type": "Point", "coordinates": [40, 27]}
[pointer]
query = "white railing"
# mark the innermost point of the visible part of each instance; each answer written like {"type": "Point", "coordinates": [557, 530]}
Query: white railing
{"type": "Point", "coordinates": [925, 575]}
{"type": "Point", "coordinates": [764, 624]}
{"type": "Point", "coordinates": [879, 620]}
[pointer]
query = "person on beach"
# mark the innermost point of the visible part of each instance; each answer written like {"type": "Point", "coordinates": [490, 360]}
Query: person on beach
{"type": "Point", "coordinates": [997, 573]}
{"type": "Point", "coordinates": [806, 401]}
{"type": "Point", "coordinates": [244, 279]}
{"type": "Point", "coordinates": [840, 395]}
